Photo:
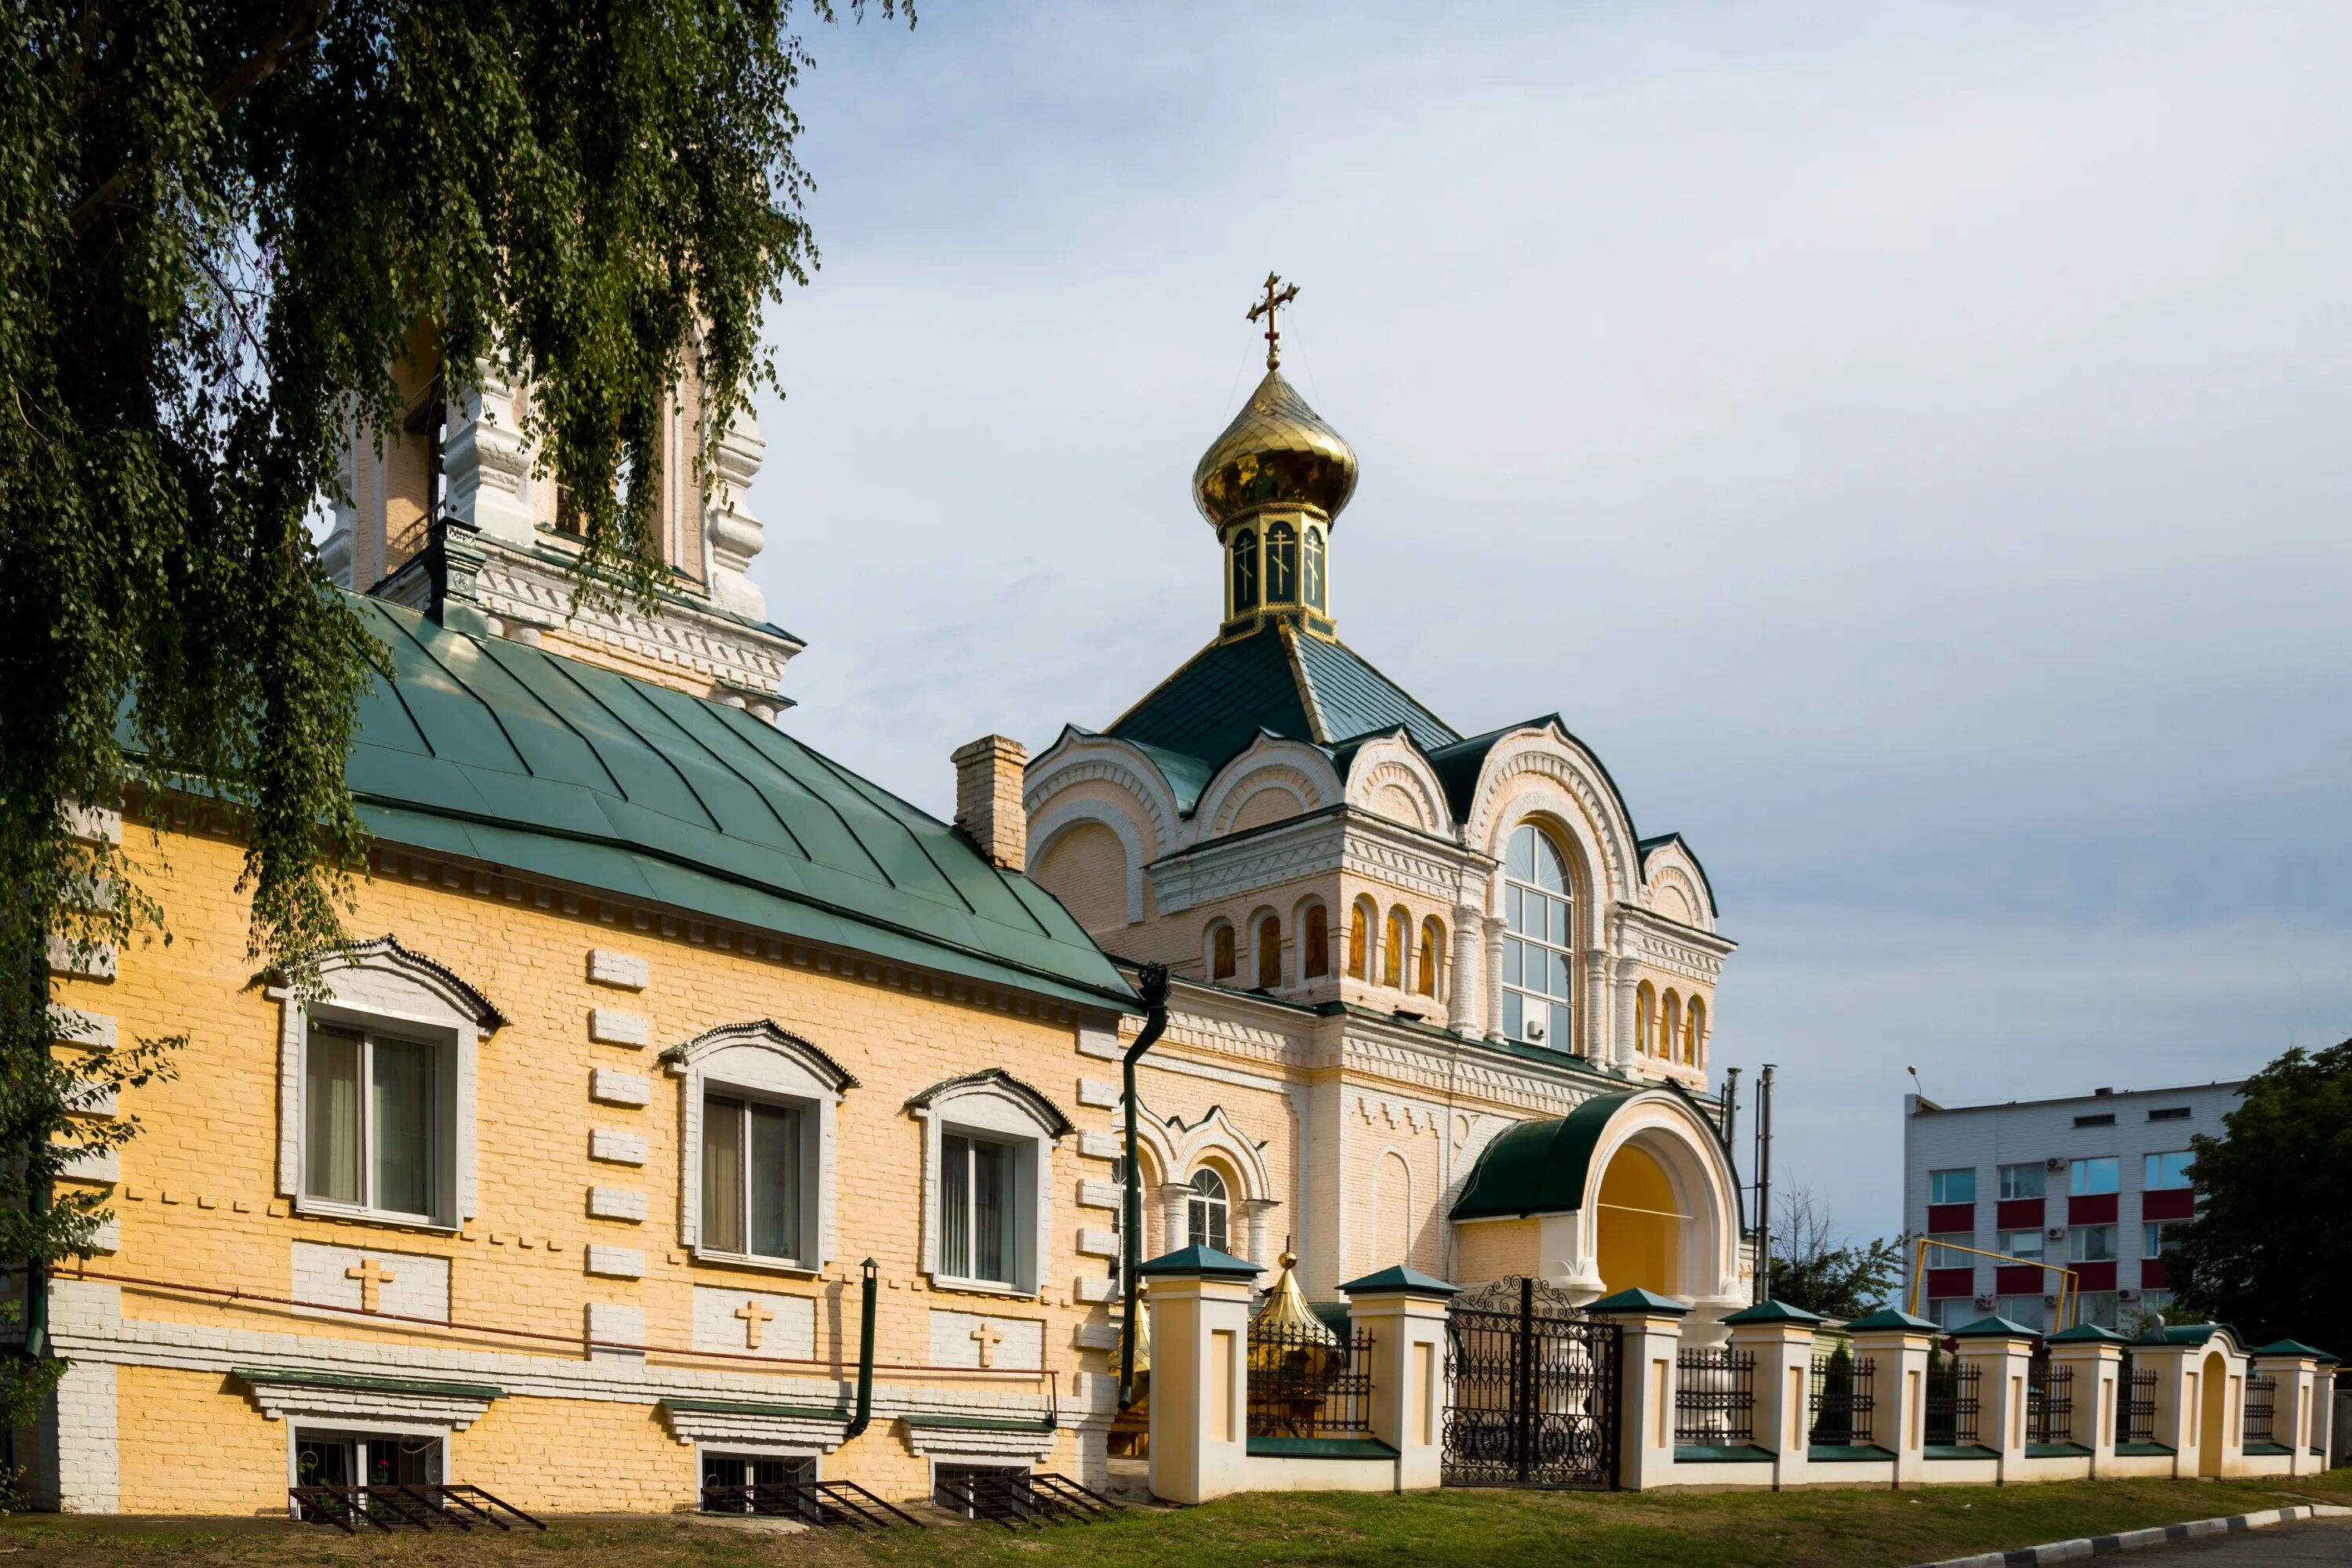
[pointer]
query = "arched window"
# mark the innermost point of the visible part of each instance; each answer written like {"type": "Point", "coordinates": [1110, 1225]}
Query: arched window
{"type": "Point", "coordinates": [1670, 1026]}
{"type": "Point", "coordinates": [1315, 944]}
{"type": "Point", "coordinates": [1281, 563]}
{"type": "Point", "coordinates": [1206, 1211]}
{"type": "Point", "coordinates": [1314, 565]}
{"type": "Point", "coordinates": [1536, 954]}
{"type": "Point", "coordinates": [1392, 951]}
{"type": "Point", "coordinates": [1269, 952]}
{"type": "Point", "coordinates": [1360, 942]}
{"type": "Point", "coordinates": [1646, 1010]}
{"type": "Point", "coordinates": [1693, 1031]}
{"type": "Point", "coordinates": [1244, 568]}
{"type": "Point", "coordinates": [1221, 963]}
{"type": "Point", "coordinates": [1433, 940]}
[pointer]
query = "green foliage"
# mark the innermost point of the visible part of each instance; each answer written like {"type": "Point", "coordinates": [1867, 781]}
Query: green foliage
{"type": "Point", "coordinates": [220, 222]}
{"type": "Point", "coordinates": [2268, 1253]}
{"type": "Point", "coordinates": [1812, 1270]}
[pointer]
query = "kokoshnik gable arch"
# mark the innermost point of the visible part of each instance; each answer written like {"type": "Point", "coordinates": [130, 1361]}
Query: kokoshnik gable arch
{"type": "Point", "coordinates": [1467, 926]}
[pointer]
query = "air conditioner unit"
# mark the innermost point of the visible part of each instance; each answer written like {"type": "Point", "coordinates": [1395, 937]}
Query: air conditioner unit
{"type": "Point", "coordinates": [2055, 1163]}
{"type": "Point", "coordinates": [2127, 1295]}
{"type": "Point", "coordinates": [1535, 1031]}
{"type": "Point", "coordinates": [2048, 1300]}
{"type": "Point", "coordinates": [2055, 1233]}
{"type": "Point", "coordinates": [1984, 1303]}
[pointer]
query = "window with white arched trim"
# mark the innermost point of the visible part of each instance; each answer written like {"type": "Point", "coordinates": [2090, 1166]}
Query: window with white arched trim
{"type": "Point", "coordinates": [1425, 964]}
{"type": "Point", "coordinates": [1207, 1213]}
{"type": "Point", "coordinates": [1646, 1011]}
{"type": "Point", "coordinates": [1538, 961]}
{"type": "Point", "coordinates": [1224, 961]}
{"type": "Point", "coordinates": [1360, 941]}
{"type": "Point", "coordinates": [988, 1180]}
{"type": "Point", "coordinates": [757, 1145]}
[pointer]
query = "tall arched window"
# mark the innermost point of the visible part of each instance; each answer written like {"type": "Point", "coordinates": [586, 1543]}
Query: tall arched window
{"type": "Point", "coordinates": [1399, 937]}
{"type": "Point", "coordinates": [1206, 1211]}
{"type": "Point", "coordinates": [1670, 1026]}
{"type": "Point", "coordinates": [1281, 563]}
{"type": "Point", "coordinates": [1693, 1031]}
{"type": "Point", "coordinates": [1314, 943]}
{"type": "Point", "coordinates": [1536, 952]}
{"type": "Point", "coordinates": [1222, 960]}
{"type": "Point", "coordinates": [1269, 952]}
{"type": "Point", "coordinates": [1360, 941]}
{"type": "Point", "coordinates": [1244, 570]}
{"type": "Point", "coordinates": [1645, 1013]}
{"type": "Point", "coordinates": [1432, 941]}
{"type": "Point", "coordinates": [1315, 566]}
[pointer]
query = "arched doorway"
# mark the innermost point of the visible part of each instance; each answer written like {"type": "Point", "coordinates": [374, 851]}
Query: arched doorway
{"type": "Point", "coordinates": [1639, 1225]}
{"type": "Point", "coordinates": [2213, 1415]}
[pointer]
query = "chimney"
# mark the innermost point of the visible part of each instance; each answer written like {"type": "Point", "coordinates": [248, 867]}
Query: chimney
{"type": "Point", "coordinates": [988, 798]}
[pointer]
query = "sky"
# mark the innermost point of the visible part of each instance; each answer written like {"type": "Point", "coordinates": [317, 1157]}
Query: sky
{"type": "Point", "coordinates": [1908, 443]}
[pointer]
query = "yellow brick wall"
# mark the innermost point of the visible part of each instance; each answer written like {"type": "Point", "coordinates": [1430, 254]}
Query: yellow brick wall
{"type": "Point", "coordinates": [198, 1204]}
{"type": "Point", "coordinates": [1496, 1249]}
{"type": "Point", "coordinates": [191, 1443]}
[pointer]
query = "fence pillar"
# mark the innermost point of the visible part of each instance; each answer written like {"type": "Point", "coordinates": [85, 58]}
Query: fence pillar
{"type": "Point", "coordinates": [1199, 1300]}
{"type": "Point", "coordinates": [1403, 1311]}
{"type": "Point", "coordinates": [2294, 1368]}
{"type": "Point", "coordinates": [1780, 1338]}
{"type": "Point", "coordinates": [2177, 1393]}
{"type": "Point", "coordinates": [1649, 1328]}
{"type": "Point", "coordinates": [1895, 1345]}
{"type": "Point", "coordinates": [2003, 1353]}
{"type": "Point", "coordinates": [2095, 1357]}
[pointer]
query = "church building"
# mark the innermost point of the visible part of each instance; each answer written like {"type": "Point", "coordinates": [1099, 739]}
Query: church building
{"type": "Point", "coordinates": [1439, 1004]}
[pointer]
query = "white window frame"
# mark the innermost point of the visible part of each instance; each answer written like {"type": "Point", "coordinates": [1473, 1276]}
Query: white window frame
{"type": "Point", "coordinates": [1566, 950]}
{"type": "Point", "coordinates": [371, 1032]}
{"type": "Point", "coordinates": [2000, 1243]}
{"type": "Point", "coordinates": [380, 985]}
{"type": "Point", "coordinates": [2041, 1180]}
{"type": "Point", "coordinates": [994, 1105]}
{"type": "Point", "coordinates": [759, 1061]}
{"type": "Point", "coordinates": [1200, 1202]}
{"type": "Point", "coordinates": [2077, 1237]}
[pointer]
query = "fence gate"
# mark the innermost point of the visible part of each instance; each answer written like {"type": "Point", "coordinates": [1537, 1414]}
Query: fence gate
{"type": "Point", "coordinates": [1535, 1390]}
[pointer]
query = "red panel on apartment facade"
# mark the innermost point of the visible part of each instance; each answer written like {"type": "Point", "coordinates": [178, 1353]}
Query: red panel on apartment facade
{"type": "Point", "coordinates": [1951, 1219]}
{"type": "Point", "coordinates": [2094, 1276]}
{"type": "Point", "coordinates": [1946, 1282]}
{"type": "Point", "coordinates": [2019, 1214]}
{"type": "Point", "coordinates": [2151, 1274]}
{"type": "Point", "coordinates": [2018, 1280]}
{"type": "Point", "coordinates": [2172, 1203]}
{"type": "Point", "coordinates": [2099, 1208]}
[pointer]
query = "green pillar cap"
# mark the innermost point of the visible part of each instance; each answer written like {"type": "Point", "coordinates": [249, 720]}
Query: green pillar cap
{"type": "Point", "coordinates": [1638, 1300]}
{"type": "Point", "coordinates": [2088, 1334]}
{"type": "Point", "coordinates": [1399, 1280]}
{"type": "Point", "coordinates": [1892, 1318]}
{"type": "Point", "coordinates": [1996, 1329]}
{"type": "Point", "coordinates": [1774, 1312]}
{"type": "Point", "coordinates": [1200, 1262]}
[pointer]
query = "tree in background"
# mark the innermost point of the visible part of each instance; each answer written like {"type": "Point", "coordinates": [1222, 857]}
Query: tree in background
{"type": "Point", "coordinates": [220, 220]}
{"type": "Point", "coordinates": [2268, 1252]}
{"type": "Point", "coordinates": [1813, 1269]}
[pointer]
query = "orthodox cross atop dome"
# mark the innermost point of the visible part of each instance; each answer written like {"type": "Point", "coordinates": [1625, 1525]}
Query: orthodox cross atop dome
{"type": "Point", "coordinates": [1276, 296]}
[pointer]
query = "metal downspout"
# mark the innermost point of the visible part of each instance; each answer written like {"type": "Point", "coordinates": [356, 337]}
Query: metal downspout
{"type": "Point", "coordinates": [864, 1416]}
{"type": "Point", "coordinates": [1152, 987]}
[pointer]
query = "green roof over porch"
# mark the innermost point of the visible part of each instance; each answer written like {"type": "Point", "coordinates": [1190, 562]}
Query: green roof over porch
{"type": "Point", "coordinates": [1537, 1167]}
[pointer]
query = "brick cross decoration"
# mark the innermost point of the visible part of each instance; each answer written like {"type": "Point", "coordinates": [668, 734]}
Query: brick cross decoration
{"type": "Point", "coordinates": [987, 1338]}
{"type": "Point", "coordinates": [1277, 295]}
{"type": "Point", "coordinates": [755, 1317]}
{"type": "Point", "coordinates": [371, 1276]}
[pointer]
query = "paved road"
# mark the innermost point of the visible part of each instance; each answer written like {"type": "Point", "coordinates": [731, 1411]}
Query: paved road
{"type": "Point", "coordinates": [2313, 1540]}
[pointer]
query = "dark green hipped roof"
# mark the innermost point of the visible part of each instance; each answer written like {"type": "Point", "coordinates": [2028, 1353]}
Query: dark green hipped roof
{"type": "Point", "coordinates": [1537, 1167]}
{"type": "Point", "coordinates": [1890, 1318]}
{"type": "Point", "coordinates": [1774, 1312]}
{"type": "Point", "coordinates": [1292, 684]}
{"type": "Point", "coordinates": [1399, 1277]}
{"type": "Point", "coordinates": [557, 769]}
{"type": "Point", "coordinates": [1639, 1299]}
{"type": "Point", "coordinates": [1205, 1261]}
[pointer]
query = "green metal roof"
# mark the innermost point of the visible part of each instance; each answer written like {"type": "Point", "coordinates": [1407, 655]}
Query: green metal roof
{"type": "Point", "coordinates": [1537, 1167]}
{"type": "Point", "coordinates": [1640, 1299]}
{"type": "Point", "coordinates": [1397, 1278]}
{"type": "Point", "coordinates": [1204, 1262]}
{"type": "Point", "coordinates": [1299, 687]}
{"type": "Point", "coordinates": [2086, 1334]}
{"type": "Point", "coordinates": [750, 1407]}
{"type": "Point", "coordinates": [1995, 1328]}
{"type": "Point", "coordinates": [1890, 1318]}
{"type": "Point", "coordinates": [296, 1377]}
{"type": "Point", "coordinates": [1774, 1312]}
{"type": "Point", "coordinates": [486, 748]}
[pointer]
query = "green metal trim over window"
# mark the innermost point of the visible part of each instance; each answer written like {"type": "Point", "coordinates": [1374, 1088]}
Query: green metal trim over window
{"type": "Point", "coordinates": [296, 1378]}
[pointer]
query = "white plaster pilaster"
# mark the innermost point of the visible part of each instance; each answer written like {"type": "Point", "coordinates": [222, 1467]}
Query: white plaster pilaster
{"type": "Point", "coordinates": [1462, 1001]}
{"type": "Point", "coordinates": [1620, 1033]}
{"type": "Point", "coordinates": [735, 535]}
{"type": "Point", "coordinates": [1494, 927]}
{"type": "Point", "coordinates": [488, 460]}
{"type": "Point", "coordinates": [1175, 1228]}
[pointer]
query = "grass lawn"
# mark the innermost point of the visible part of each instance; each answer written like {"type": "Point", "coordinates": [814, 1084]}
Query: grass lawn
{"type": "Point", "coordinates": [1441, 1530]}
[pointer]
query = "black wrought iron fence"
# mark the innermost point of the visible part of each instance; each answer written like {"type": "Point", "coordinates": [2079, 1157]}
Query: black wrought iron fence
{"type": "Point", "coordinates": [1715, 1397]}
{"type": "Point", "coordinates": [2136, 1407]}
{"type": "Point", "coordinates": [1843, 1399]}
{"type": "Point", "coordinates": [1952, 1404]}
{"type": "Point", "coordinates": [2050, 1404]}
{"type": "Point", "coordinates": [1305, 1385]}
{"type": "Point", "coordinates": [2261, 1409]}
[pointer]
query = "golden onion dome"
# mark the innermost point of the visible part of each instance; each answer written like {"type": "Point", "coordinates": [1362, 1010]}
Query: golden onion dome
{"type": "Point", "coordinates": [1277, 452]}
{"type": "Point", "coordinates": [1284, 1309]}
